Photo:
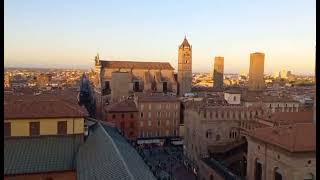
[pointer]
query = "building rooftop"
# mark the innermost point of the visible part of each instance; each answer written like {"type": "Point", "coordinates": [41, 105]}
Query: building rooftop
{"type": "Point", "coordinates": [104, 155]}
{"type": "Point", "coordinates": [123, 106]}
{"type": "Point", "coordinates": [44, 154]}
{"type": "Point", "coordinates": [299, 137]}
{"type": "Point", "coordinates": [185, 43]}
{"type": "Point", "coordinates": [136, 65]}
{"type": "Point", "coordinates": [35, 108]}
{"type": "Point", "coordinates": [266, 98]}
{"type": "Point", "coordinates": [107, 155]}
{"type": "Point", "coordinates": [292, 117]}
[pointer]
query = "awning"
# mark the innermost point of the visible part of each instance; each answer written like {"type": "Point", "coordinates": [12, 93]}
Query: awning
{"type": "Point", "coordinates": [148, 141]}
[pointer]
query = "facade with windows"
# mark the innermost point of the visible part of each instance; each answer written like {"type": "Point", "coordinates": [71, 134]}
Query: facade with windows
{"type": "Point", "coordinates": [210, 125]}
{"type": "Point", "coordinates": [159, 115]}
{"type": "Point", "coordinates": [124, 115]}
{"type": "Point", "coordinates": [23, 120]}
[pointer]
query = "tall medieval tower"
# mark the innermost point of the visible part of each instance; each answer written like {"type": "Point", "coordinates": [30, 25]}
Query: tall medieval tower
{"type": "Point", "coordinates": [185, 67]}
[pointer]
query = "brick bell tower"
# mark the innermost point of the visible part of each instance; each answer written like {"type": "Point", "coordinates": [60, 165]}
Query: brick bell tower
{"type": "Point", "coordinates": [185, 67]}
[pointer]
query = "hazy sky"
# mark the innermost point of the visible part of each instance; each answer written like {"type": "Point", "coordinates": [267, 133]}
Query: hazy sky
{"type": "Point", "coordinates": [69, 33]}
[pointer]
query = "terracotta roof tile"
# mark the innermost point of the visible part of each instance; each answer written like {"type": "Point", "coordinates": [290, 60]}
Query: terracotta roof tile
{"type": "Point", "coordinates": [299, 137]}
{"type": "Point", "coordinates": [293, 117]}
{"type": "Point", "coordinates": [136, 65]}
{"type": "Point", "coordinates": [123, 106]}
{"type": "Point", "coordinates": [42, 109]}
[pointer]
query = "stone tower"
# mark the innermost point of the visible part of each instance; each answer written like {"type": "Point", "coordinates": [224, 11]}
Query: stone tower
{"type": "Point", "coordinates": [185, 67]}
{"type": "Point", "coordinates": [218, 72]}
{"type": "Point", "coordinates": [256, 72]}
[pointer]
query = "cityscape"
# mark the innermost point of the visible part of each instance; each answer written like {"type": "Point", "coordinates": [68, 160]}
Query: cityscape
{"type": "Point", "coordinates": [130, 119]}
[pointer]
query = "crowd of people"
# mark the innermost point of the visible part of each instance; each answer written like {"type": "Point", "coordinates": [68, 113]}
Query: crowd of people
{"type": "Point", "coordinates": [164, 161]}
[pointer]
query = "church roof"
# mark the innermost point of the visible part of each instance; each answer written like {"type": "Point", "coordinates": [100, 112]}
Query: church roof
{"type": "Point", "coordinates": [136, 65]}
{"type": "Point", "coordinates": [185, 43]}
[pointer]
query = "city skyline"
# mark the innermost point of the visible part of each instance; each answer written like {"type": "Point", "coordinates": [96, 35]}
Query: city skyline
{"type": "Point", "coordinates": [153, 32]}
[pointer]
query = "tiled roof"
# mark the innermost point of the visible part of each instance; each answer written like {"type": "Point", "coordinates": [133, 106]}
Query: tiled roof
{"type": "Point", "coordinates": [292, 117]}
{"type": "Point", "coordinates": [266, 98]}
{"type": "Point", "coordinates": [136, 65]}
{"type": "Point", "coordinates": [69, 95]}
{"type": "Point", "coordinates": [123, 106]}
{"type": "Point", "coordinates": [299, 137]}
{"type": "Point", "coordinates": [107, 155]}
{"type": "Point", "coordinates": [155, 97]}
{"type": "Point", "coordinates": [44, 154]}
{"type": "Point", "coordinates": [42, 109]}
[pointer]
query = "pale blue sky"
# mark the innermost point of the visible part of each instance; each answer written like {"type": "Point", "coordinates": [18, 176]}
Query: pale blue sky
{"type": "Point", "coordinates": [68, 33]}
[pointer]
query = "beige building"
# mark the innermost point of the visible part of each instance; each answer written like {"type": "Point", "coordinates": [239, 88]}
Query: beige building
{"type": "Point", "coordinates": [159, 115]}
{"type": "Point", "coordinates": [256, 72]}
{"type": "Point", "coordinates": [285, 152]}
{"type": "Point", "coordinates": [209, 124]}
{"type": "Point", "coordinates": [156, 77]}
{"type": "Point", "coordinates": [120, 86]}
{"type": "Point", "coordinates": [272, 103]}
{"type": "Point", "coordinates": [218, 72]}
{"type": "Point", "coordinates": [143, 76]}
{"type": "Point", "coordinates": [185, 67]}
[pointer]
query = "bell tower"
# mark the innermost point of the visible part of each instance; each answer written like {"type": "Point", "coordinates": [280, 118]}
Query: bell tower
{"type": "Point", "coordinates": [185, 67]}
{"type": "Point", "coordinates": [97, 70]}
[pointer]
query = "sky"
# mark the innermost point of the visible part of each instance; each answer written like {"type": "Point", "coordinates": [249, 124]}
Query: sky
{"type": "Point", "coordinates": [68, 34]}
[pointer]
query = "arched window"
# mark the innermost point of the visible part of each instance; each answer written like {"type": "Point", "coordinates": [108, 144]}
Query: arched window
{"type": "Point", "coordinates": [209, 134]}
{"type": "Point", "coordinates": [230, 135]}
{"type": "Point", "coordinates": [234, 98]}
{"type": "Point", "coordinates": [277, 174]}
{"type": "Point", "coordinates": [211, 177]}
{"type": "Point", "coordinates": [205, 114]}
{"type": "Point", "coordinates": [256, 113]}
{"type": "Point", "coordinates": [210, 114]}
{"type": "Point", "coordinates": [308, 176]}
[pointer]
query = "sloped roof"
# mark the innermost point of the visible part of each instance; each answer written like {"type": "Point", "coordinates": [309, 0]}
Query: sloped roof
{"type": "Point", "coordinates": [299, 137]}
{"type": "Point", "coordinates": [40, 154]}
{"type": "Point", "coordinates": [185, 43]}
{"type": "Point", "coordinates": [123, 106]}
{"type": "Point", "coordinates": [293, 117]}
{"type": "Point", "coordinates": [107, 155]}
{"type": "Point", "coordinates": [42, 109]}
{"type": "Point", "coordinates": [136, 65]}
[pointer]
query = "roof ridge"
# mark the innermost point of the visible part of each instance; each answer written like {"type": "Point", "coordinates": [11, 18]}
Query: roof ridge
{"type": "Point", "coordinates": [133, 61]}
{"type": "Point", "coordinates": [117, 151]}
